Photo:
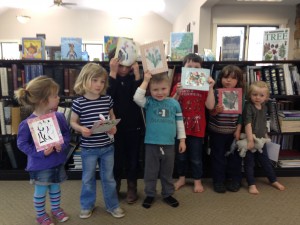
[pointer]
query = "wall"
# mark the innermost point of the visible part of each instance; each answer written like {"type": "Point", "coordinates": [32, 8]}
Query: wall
{"type": "Point", "coordinates": [89, 24]}
{"type": "Point", "coordinates": [275, 15]}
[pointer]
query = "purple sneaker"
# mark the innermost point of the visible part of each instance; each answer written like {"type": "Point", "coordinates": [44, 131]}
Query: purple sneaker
{"type": "Point", "coordinates": [60, 215]}
{"type": "Point", "coordinates": [44, 220]}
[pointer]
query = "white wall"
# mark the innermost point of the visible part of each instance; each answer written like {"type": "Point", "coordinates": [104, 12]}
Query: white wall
{"type": "Point", "coordinates": [90, 25]}
{"type": "Point", "coordinates": [284, 16]}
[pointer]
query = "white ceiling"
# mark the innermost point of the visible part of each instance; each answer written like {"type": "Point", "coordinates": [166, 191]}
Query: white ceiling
{"type": "Point", "coordinates": [170, 13]}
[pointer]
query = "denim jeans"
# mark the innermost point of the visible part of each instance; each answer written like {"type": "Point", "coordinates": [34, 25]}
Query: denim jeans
{"type": "Point", "coordinates": [192, 156]}
{"type": "Point", "coordinates": [104, 156]}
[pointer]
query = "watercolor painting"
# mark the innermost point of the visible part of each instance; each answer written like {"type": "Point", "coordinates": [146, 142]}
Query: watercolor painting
{"type": "Point", "coordinates": [153, 57]}
{"type": "Point", "coordinates": [104, 125]}
{"type": "Point", "coordinates": [231, 100]}
{"type": "Point", "coordinates": [126, 51]}
{"type": "Point", "coordinates": [181, 45]}
{"type": "Point", "coordinates": [33, 48]}
{"type": "Point", "coordinates": [195, 78]}
{"type": "Point", "coordinates": [71, 48]}
{"type": "Point", "coordinates": [45, 131]}
{"type": "Point", "coordinates": [110, 42]}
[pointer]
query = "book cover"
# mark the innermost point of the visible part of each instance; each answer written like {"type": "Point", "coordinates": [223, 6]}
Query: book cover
{"type": "Point", "coordinates": [153, 57]}
{"type": "Point", "coordinates": [33, 48]}
{"type": "Point", "coordinates": [195, 78]}
{"type": "Point", "coordinates": [126, 51]}
{"type": "Point", "coordinates": [110, 43]}
{"type": "Point", "coordinates": [45, 131]}
{"type": "Point", "coordinates": [181, 44]}
{"type": "Point", "coordinates": [231, 100]}
{"type": "Point", "coordinates": [231, 48]}
{"type": "Point", "coordinates": [101, 126]}
{"type": "Point", "coordinates": [71, 48]}
{"type": "Point", "coordinates": [276, 44]}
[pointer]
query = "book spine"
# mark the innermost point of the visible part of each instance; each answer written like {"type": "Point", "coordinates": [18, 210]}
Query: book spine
{"type": "Point", "coordinates": [267, 78]}
{"type": "Point", "coordinates": [11, 155]}
{"type": "Point", "coordinates": [280, 81]}
{"type": "Point", "coordinates": [14, 68]}
{"type": "Point", "coordinates": [274, 82]}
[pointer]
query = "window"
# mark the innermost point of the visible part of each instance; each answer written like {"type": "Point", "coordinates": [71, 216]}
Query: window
{"type": "Point", "coordinates": [10, 50]}
{"type": "Point", "coordinates": [95, 51]}
{"type": "Point", "coordinates": [249, 48]}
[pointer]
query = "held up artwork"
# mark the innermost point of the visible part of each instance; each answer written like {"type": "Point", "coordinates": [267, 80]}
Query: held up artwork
{"type": "Point", "coordinates": [126, 51]}
{"type": "Point", "coordinates": [104, 125]}
{"type": "Point", "coordinates": [195, 78]}
{"type": "Point", "coordinates": [153, 57]}
{"type": "Point", "coordinates": [231, 100]}
{"type": "Point", "coordinates": [45, 131]}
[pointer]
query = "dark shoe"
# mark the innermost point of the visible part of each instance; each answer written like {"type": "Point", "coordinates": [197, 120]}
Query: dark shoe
{"type": "Point", "coordinates": [148, 202]}
{"type": "Point", "coordinates": [171, 201]}
{"type": "Point", "coordinates": [219, 188]}
{"type": "Point", "coordinates": [233, 186]}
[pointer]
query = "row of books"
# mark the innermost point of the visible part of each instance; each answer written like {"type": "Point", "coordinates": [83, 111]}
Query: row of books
{"type": "Point", "coordinates": [282, 79]}
{"type": "Point", "coordinates": [12, 78]}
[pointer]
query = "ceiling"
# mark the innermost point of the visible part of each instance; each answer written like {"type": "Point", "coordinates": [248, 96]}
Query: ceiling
{"type": "Point", "coordinates": [170, 13]}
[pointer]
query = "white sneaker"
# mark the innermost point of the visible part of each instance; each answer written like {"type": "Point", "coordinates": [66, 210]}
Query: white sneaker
{"type": "Point", "coordinates": [117, 212]}
{"type": "Point", "coordinates": [86, 213]}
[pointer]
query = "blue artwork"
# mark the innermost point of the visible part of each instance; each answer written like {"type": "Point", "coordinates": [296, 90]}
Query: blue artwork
{"type": "Point", "coordinates": [71, 48]}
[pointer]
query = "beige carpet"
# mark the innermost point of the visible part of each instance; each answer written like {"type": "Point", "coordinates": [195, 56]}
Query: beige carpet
{"type": "Point", "coordinates": [270, 207]}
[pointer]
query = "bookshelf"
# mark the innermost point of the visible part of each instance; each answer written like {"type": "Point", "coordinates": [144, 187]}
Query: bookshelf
{"type": "Point", "coordinates": [17, 172]}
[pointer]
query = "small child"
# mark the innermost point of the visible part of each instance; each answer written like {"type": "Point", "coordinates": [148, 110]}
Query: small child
{"type": "Point", "coordinates": [193, 104]}
{"type": "Point", "coordinates": [255, 122]}
{"type": "Point", "coordinates": [223, 129]}
{"type": "Point", "coordinates": [123, 82]}
{"type": "Point", "coordinates": [163, 119]}
{"type": "Point", "coordinates": [96, 148]}
{"type": "Point", "coordinates": [46, 168]}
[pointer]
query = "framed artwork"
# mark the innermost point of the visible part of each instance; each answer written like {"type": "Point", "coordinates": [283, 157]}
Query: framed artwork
{"type": "Point", "coordinates": [71, 48]}
{"type": "Point", "coordinates": [104, 125]}
{"type": "Point", "coordinates": [181, 44]}
{"type": "Point", "coordinates": [153, 57]}
{"type": "Point", "coordinates": [45, 131]}
{"type": "Point", "coordinates": [195, 78]}
{"type": "Point", "coordinates": [33, 48]}
{"type": "Point", "coordinates": [231, 100]}
{"type": "Point", "coordinates": [126, 51]}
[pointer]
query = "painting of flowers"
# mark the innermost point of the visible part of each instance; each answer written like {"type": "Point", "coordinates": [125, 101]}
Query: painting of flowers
{"type": "Point", "coordinates": [153, 57]}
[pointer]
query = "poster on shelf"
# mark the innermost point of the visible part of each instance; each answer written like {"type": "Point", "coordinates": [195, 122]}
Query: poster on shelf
{"type": "Point", "coordinates": [276, 44]}
{"type": "Point", "coordinates": [71, 48]}
{"type": "Point", "coordinates": [33, 48]}
{"type": "Point", "coordinates": [181, 44]}
{"type": "Point", "coordinates": [231, 47]}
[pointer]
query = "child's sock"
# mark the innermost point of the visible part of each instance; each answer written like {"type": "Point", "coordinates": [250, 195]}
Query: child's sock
{"type": "Point", "coordinates": [39, 199]}
{"type": "Point", "coordinates": [54, 193]}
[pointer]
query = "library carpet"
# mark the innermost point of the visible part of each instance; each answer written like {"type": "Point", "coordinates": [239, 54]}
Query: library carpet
{"type": "Point", "coordinates": [269, 207]}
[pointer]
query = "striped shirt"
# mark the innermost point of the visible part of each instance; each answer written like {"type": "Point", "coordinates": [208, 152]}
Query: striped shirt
{"type": "Point", "coordinates": [88, 112]}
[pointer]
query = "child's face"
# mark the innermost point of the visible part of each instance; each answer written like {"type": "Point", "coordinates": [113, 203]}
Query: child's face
{"type": "Point", "coordinates": [96, 86]}
{"type": "Point", "coordinates": [53, 101]}
{"type": "Point", "coordinates": [123, 70]}
{"type": "Point", "coordinates": [229, 81]}
{"type": "Point", "coordinates": [191, 64]}
{"type": "Point", "coordinates": [160, 91]}
{"type": "Point", "coordinates": [259, 95]}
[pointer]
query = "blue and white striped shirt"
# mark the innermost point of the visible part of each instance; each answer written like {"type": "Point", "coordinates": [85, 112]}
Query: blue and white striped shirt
{"type": "Point", "coordinates": [88, 112]}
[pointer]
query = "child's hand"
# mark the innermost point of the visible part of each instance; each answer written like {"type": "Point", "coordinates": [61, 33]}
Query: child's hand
{"type": "Point", "coordinates": [178, 89]}
{"type": "Point", "coordinates": [218, 109]}
{"type": "Point", "coordinates": [112, 131]}
{"type": "Point", "coordinates": [48, 151]}
{"type": "Point", "coordinates": [147, 76]}
{"type": "Point", "coordinates": [250, 144]}
{"type": "Point", "coordinates": [58, 148]}
{"type": "Point", "coordinates": [182, 146]}
{"type": "Point", "coordinates": [114, 65]}
{"type": "Point", "coordinates": [211, 82]}
{"type": "Point", "coordinates": [136, 70]}
{"type": "Point", "coordinates": [85, 132]}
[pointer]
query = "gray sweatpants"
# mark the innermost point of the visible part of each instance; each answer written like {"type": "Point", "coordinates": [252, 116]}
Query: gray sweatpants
{"type": "Point", "coordinates": [159, 163]}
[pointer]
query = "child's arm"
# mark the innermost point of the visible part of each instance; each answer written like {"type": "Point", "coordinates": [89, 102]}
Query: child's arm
{"type": "Point", "coordinates": [178, 91]}
{"type": "Point", "coordinates": [210, 101]}
{"type": "Point", "coordinates": [113, 65]}
{"type": "Point", "coordinates": [139, 96]}
{"type": "Point", "coordinates": [136, 71]}
{"type": "Point", "coordinates": [74, 122]}
{"type": "Point", "coordinates": [237, 132]}
{"type": "Point", "coordinates": [218, 109]}
{"type": "Point", "coordinates": [249, 134]}
{"type": "Point", "coordinates": [182, 146]}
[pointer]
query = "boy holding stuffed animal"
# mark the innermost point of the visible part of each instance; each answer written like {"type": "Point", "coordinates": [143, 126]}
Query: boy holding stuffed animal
{"type": "Point", "coordinates": [255, 123]}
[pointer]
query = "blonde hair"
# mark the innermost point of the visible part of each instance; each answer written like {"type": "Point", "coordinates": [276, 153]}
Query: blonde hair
{"type": "Point", "coordinates": [87, 73]}
{"type": "Point", "coordinates": [158, 78]}
{"type": "Point", "coordinates": [37, 91]}
{"type": "Point", "coordinates": [258, 84]}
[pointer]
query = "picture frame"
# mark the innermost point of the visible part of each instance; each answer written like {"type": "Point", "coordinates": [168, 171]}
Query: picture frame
{"type": "Point", "coordinates": [181, 44]}
{"type": "Point", "coordinates": [195, 78]}
{"type": "Point", "coordinates": [231, 100]}
{"type": "Point", "coordinates": [45, 131]}
{"type": "Point", "coordinates": [33, 48]}
{"type": "Point", "coordinates": [153, 57]}
{"type": "Point", "coordinates": [71, 48]}
{"type": "Point", "coordinates": [126, 51]}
